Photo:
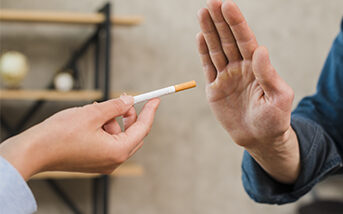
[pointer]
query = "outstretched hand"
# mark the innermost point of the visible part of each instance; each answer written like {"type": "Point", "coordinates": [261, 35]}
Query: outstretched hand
{"type": "Point", "coordinates": [244, 91]}
{"type": "Point", "coordinates": [82, 139]}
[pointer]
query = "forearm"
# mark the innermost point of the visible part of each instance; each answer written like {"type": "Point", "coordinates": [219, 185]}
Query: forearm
{"type": "Point", "coordinates": [280, 158]}
{"type": "Point", "coordinates": [21, 152]}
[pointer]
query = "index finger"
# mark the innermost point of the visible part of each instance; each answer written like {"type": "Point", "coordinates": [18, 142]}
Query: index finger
{"type": "Point", "coordinates": [138, 130]}
{"type": "Point", "coordinates": [212, 39]}
{"type": "Point", "coordinates": [107, 110]}
{"type": "Point", "coordinates": [244, 36]}
{"type": "Point", "coordinates": [227, 39]}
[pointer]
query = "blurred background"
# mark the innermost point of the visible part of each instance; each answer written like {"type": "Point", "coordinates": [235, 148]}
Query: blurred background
{"type": "Point", "coordinates": [190, 163]}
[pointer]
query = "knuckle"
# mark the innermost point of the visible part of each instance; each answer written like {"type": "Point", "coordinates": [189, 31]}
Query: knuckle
{"type": "Point", "coordinates": [207, 67]}
{"type": "Point", "coordinates": [203, 14]}
{"type": "Point", "coordinates": [92, 110]}
{"type": "Point", "coordinates": [117, 106]}
{"type": "Point", "coordinates": [198, 36]}
{"type": "Point", "coordinates": [116, 138]}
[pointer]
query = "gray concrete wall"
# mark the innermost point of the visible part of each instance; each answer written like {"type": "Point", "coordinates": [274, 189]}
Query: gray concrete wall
{"type": "Point", "coordinates": [191, 164]}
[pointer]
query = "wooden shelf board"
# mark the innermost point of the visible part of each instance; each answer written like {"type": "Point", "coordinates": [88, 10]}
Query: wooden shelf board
{"type": "Point", "coordinates": [65, 17]}
{"type": "Point", "coordinates": [126, 170]}
{"type": "Point", "coordinates": [52, 95]}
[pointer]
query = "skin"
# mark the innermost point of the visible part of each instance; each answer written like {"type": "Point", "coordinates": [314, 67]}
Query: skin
{"type": "Point", "coordinates": [81, 139]}
{"type": "Point", "coordinates": [244, 91]}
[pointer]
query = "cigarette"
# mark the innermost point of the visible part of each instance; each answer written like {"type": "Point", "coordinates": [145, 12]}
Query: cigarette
{"type": "Point", "coordinates": [164, 91]}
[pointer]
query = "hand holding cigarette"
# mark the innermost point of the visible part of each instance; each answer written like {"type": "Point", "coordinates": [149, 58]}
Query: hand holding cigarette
{"type": "Point", "coordinates": [164, 91]}
{"type": "Point", "coordinates": [81, 139]}
{"type": "Point", "coordinates": [106, 145]}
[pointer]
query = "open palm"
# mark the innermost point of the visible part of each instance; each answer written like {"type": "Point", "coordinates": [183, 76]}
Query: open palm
{"type": "Point", "coordinates": [243, 89]}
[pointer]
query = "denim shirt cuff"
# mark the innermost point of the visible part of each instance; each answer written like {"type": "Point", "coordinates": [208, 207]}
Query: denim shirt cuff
{"type": "Point", "coordinates": [319, 158]}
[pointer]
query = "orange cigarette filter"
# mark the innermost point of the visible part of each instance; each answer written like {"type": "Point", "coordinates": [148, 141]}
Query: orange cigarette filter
{"type": "Point", "coordinates": [185, 85]}
{"type": "Point", "coordinates": [164, 91]}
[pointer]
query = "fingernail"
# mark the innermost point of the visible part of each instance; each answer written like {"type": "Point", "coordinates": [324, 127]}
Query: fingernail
{"type": "Point", "coordinates": [126, 99]}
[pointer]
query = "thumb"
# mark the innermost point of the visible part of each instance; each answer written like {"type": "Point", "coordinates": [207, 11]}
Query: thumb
{"type": "Point", "coordinates": [264, 72]}
{"type": "Point", "coordinates": [110, 109]}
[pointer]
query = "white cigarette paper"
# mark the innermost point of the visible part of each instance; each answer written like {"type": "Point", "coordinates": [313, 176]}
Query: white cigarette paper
{"type": "Point", "coordinates": [164, 91]}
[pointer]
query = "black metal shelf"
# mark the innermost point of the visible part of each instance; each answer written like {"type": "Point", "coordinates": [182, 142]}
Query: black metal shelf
{"type": "Point", "coordinates": [101, 91]}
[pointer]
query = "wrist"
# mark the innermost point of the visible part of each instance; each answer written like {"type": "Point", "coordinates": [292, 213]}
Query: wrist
{"type": "Point", "coordinates": [22, 152]}
{"type": "Point", "coordinates": [279, 156]}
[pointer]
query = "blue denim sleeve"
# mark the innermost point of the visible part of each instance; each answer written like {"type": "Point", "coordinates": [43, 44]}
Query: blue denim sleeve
{"type": "Point", "coordinates": [15, 195]}
{"type": "Point", "coordinates": [318, 123]}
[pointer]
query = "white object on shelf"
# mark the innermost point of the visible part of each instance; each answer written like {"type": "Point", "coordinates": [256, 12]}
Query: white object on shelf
{"type": "Point", "coordinates": [64, 81]}
{"type": "Point", "coordinates": [13, 68]}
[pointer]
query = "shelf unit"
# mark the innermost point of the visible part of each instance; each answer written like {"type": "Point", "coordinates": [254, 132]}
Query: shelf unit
{"type": "Point", "coordinates": [53, 95]}
{"type": "Point", "coordinates": [50, 95]}
{"type": "Point", "coordinates": [126, 170]}
{"type": "Point", "coordinates": [66, 17]}
{"type": "Point", "coordinates": [103, 22]}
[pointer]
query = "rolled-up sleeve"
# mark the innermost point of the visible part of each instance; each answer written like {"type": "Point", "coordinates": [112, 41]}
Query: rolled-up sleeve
{"type": "Point", "coordinates": [318, 123]}
{"type": "Point", "coordinates": [15, 195]}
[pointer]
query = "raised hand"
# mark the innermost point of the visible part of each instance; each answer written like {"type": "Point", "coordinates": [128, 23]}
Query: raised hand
{"type": "Point", "coordinates": [243, 89]}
